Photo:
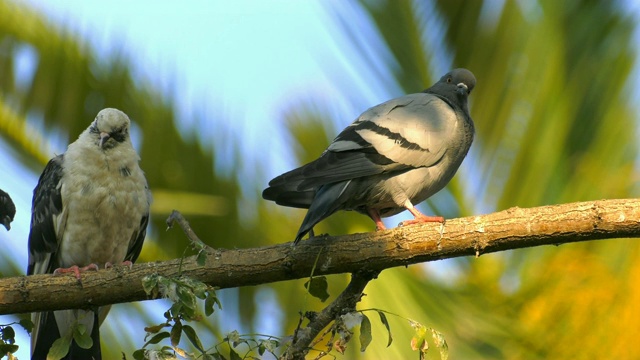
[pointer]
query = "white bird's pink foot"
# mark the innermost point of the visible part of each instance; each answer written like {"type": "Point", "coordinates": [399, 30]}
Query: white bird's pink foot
{"type": "Point", "coordinates": [75, 270]}
{"type": "Point", "coordinates": [127, 263]}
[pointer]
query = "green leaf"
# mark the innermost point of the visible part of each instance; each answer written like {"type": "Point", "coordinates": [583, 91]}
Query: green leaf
{"type": "Point", "coordinates": [8, 334]}
{"type": "Point", "coordinates": [317, 287]}
{"type": "Point", "coordinates": [208, 304]}
{"type": "Point", "coordinates": [8, 349]}
{"type": "Point", "coordinates": [234, 355]}
{"type": "Point", "coordinates": [156, 328]}
{"type": "Point", "coordinates": [383, 319]}
{"type": "Point", "coordinates": [187, 298]}
{"type": "Point", "coordinates": [60, 347]}
{"type": "Point", "coordinates": [149, 283]}
{"type": "Point", "coordinates": [193, 337]}
{"type": "Point", "coordinates": [218, 356]}
{"type": "Point", "coordinates": [175, 310]}
{"type": "Point", "coordinates": [176, 333]}
{"type": "Point", "coordinates": [139, 354]}
{"type": "Point", "coordinates": [27, 324]}
{"type": "Point", "coordinates": [157, 338]}
{"type": "Point", "coordinates": [267, 345]}
{"type": "Point", "coordinates": [200, 290]}
{"type": "Point", "coordinates": [441, 344]}
{"type": "Point", "coordinates": [82, 337]}
{"type": "Point", "coordinates": [201, 259]}
{"type": "Point", "coordinates": [365, 333]}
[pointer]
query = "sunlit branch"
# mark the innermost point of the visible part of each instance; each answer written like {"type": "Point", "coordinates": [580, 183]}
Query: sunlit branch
{"type": "Point", "coordinates": [476, 235]}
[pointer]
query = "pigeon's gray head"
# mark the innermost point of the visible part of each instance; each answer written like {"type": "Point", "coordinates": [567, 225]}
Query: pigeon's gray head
{"type": "Point", "coordinates": [462, 79]}
{"type": "Point", "coordinates": [110, 128]}
{"type": "Point", "coordinates": [455, 86]}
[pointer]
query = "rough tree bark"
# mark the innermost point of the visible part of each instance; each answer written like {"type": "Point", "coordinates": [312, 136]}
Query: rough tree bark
{"type": "Point", "coordinates": [475, 235]}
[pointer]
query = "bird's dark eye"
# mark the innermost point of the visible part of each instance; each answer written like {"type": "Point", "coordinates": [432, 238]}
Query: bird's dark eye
{"type": "Point", "coordinates": [94, 128]}
{"type": "Point", "coordinates": [119, 134]}
{"type": "Point", "coordinates": [448, 79]}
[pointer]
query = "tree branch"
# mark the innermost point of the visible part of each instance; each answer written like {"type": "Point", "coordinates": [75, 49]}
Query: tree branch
{"type": "Point", "coordinates": [344, 303]}
{"type": "Point", "coordinates": [510, 229]}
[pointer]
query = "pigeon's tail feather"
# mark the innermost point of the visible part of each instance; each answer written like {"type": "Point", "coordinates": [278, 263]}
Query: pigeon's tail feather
{"type": "Point", "coordinates": [47, 333]}
{"type": "Point", "coordinates": [329, 199]}
{"type": "Point", "coordinates": [291, 178]}
{"type": "Point", "coordinates": [289, 195]}
{"type": "Point", "coordinates": [297, 199]}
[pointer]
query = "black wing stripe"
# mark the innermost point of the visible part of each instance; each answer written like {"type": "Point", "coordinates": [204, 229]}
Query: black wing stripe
{"type": "Point", "coordinates": [397, 138]}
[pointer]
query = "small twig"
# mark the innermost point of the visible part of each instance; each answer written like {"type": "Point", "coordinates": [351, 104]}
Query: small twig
{"type": "Point", "coordinates": [176, 216]}
{"type": "Point", "coordinates": [345, 302]}
{"type": "Point", "coordinates": [319, 339]}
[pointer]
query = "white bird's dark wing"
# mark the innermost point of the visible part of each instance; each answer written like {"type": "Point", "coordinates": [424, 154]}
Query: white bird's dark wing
{"type": "Point", "coordinates": [137, 238]}
{"type": "Point", "coordinates": [46, 216]}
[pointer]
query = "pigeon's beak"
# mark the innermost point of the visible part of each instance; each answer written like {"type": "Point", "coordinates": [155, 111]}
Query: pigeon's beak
{"type": "Point", "coordinates": [103, 138]}
{"type": "Point", "coordinates": [463, 89]}
{"type": "Point", "coordinates": [6, 222]}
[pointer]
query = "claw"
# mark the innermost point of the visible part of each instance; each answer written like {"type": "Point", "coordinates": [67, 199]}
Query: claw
{"type": "Point", "coordinates": [75, 270]}
{"type": "Point", "coordinates": [127, 263]}
{"type": "Point", "coordinates": [418, 216]}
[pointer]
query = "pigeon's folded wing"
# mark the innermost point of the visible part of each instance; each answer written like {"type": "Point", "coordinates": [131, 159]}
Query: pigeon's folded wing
{"type": "Point", "coordinates": [396, 136]}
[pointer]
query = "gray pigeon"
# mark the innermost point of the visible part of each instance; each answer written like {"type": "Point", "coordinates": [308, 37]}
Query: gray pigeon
{"type": "Point", "coordinates": [7, 210]}
{"type": "Point", "coordinates": [90, 209]}
{"type": "Point", "coordinates": [394, 156]}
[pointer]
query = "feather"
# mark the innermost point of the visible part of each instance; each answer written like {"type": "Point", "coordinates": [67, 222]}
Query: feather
{"type": "Point", "coordinates": [392, 156]}
{"type": "Point", "coordinates": [90, 206]}
{"type": "Point", "coordinates": [7, 210]}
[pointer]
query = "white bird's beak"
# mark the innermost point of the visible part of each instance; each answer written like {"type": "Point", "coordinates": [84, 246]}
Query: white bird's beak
{"type": "Point", "coordinates": [103, 138]}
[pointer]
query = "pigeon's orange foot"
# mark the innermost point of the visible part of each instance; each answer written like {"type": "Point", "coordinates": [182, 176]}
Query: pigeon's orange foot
{"type": "Point", "coordinates": [423, 219]}
{"type": "Point", "coordinates": [75, 270]}
{"type": "Point", "coordinates": [375, 216]}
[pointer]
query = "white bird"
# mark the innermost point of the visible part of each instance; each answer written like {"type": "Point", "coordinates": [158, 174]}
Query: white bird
{"type": "Point", "coordinates": [394, 156]}
{"type": "Point", "coordinates": [90, 209]}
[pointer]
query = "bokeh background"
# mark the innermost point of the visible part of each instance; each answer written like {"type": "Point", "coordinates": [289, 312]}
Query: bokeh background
{"type": "Point", "coordinates": [227, 94]}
